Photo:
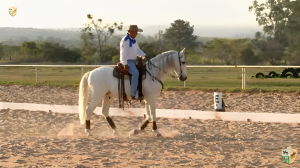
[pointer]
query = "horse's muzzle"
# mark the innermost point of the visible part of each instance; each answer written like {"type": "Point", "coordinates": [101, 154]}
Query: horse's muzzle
{"type": "Point", "coordinates": [182, 78]}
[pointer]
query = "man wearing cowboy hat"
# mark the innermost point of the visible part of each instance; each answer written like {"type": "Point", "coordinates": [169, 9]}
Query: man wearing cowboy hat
{"type": "Point", "coordinates": [129, 50]}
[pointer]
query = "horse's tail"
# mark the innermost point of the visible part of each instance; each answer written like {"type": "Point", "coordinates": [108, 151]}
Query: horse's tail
{"type": "Point", "coordinates": [83, 97]}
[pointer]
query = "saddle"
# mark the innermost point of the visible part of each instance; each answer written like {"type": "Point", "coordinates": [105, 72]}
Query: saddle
{"type": "Point", "coordinates": [121, 74]}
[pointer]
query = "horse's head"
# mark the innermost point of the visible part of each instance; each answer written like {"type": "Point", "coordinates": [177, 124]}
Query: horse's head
{"type": "Point", "coordinates": [180, 66]}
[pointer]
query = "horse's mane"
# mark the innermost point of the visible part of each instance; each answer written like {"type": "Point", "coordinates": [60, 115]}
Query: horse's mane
{"type": "Point", "coordinates": [161, 56]}
{"type": "Point", "coordinates": [160, 61]}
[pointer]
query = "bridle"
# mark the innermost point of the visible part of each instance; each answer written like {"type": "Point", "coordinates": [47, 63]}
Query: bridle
{"type": "Point", "coordinates": [180, 63]}
{"type": "Point", "coordinates": [150, 64]}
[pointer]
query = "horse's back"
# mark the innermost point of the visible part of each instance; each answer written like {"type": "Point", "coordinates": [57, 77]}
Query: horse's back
{"type": "Point", "coordinates": [101, 74]}
{"type": "Point", "coordinates": [102, 80]}
{"type": "Point", "coordinates": [101, 70]}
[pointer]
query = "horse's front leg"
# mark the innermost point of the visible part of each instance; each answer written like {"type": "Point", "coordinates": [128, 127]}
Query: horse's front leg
{"type": "Point", "coordinates": [153, 118]}
{"type": "Point", "coordinates": [144, 124]}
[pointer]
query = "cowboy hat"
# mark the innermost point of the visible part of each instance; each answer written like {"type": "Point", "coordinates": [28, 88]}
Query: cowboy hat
{"type": "Point", "coordinates": [134, 28]}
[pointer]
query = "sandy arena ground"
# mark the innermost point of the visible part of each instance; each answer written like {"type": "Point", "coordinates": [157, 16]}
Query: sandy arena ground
{"type": "Point", "coordinates": [185, 100]}
{"type": "Point", "coordinates": [45, 139]}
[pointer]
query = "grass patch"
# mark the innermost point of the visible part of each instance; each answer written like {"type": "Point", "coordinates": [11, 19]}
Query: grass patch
{"type": "Point", "coordinates": [206, 79]}
{"type": "Point", "coordinates": [39, 84]}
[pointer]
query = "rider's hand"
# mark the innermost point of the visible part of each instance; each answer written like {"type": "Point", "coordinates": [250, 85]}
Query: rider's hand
{"type": "Point", "coordinates": [146, 57]}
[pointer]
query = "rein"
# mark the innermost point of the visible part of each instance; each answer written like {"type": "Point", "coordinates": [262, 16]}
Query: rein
{"type": "Point", "coordinates": [173, 76]}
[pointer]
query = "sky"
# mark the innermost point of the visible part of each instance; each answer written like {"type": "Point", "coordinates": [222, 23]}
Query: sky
{"type": "Point", "coordinates": [72, 13]}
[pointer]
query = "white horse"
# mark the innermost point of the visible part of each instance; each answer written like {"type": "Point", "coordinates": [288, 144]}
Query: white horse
{"type": "Point", "coordinates": [103, 85]}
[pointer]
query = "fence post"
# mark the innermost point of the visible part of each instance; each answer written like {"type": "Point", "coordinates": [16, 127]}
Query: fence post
{"type": "Point", "coordinates": [81, 71]}
{"type": "Point", "coordinates": [36, 75]}
{"type": "Point", "coordinates": [184, 84]}
{"type": "Point", "coordinates": [243, 78]}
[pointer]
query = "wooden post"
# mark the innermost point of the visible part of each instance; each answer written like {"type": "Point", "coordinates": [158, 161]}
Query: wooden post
{"type": "Point", "coordinates": [36, 75]}
{"type": "Point", "coordinates": [243, 78]}
{"type": "Point", "coordinates": [81, 71]}
{"type": "Point", "coordinates": [184, 84]}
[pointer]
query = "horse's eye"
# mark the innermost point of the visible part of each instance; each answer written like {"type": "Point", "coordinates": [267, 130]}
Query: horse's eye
{"type": "Point", "coordinates": [183, 63]}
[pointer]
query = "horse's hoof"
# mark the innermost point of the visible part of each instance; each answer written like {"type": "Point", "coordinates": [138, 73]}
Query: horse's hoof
{"type": "Point", "coordinates": [116, 133]}
{"type": "Point", "coordinates": [141, 131]}
{"type": "Point", "coordinates": [133, 132]}
{"type": "Point", "coordinates": [156, 133]}
{"type": "Point", "coordinates": [88, 132]}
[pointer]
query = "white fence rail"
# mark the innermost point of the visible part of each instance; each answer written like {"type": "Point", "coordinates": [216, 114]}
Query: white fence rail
{"type": "Point", "coordinates": [243, 67]}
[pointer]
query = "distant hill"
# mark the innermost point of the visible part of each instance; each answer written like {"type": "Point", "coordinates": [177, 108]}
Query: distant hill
{"type": "Point", "coordinates": [33, 34]}
{"type": "Point", "coordinates": [211, 31]}
{"type": "Point", "coordinates": [71, 37]}
{"type": "Point", "coordinates": [204, 31]}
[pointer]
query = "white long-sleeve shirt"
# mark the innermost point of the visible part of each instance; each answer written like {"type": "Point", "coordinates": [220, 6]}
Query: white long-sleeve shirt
{"type": "Point", "coordinates": [127, 52]}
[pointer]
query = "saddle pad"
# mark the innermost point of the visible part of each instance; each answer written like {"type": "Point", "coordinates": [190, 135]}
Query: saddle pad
{"type": "Point", "coordinates": [117, 74]}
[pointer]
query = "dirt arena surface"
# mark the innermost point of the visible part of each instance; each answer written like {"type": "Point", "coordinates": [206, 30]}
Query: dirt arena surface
{"type": "Point", "coordinates": [185, 100]}
{"type": "Point", "coordinates": [45, 139]}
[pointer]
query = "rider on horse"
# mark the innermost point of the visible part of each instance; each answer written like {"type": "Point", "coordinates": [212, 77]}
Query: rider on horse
{"type": "Point", "coordinates": [129, 50]}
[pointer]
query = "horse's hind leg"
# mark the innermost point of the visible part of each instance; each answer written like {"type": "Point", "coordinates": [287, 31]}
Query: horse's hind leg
{"type": "Point", "coordinates": [96, 98]}
{"type": "Point", "coordinates": [105, 112]}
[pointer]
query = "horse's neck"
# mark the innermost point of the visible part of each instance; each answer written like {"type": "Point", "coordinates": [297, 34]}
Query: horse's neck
{"type": "Point", "coordinates": [164, 66]}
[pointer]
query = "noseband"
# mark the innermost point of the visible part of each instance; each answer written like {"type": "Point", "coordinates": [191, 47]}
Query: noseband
{"type": "Point", "coordinates": [180, 63]}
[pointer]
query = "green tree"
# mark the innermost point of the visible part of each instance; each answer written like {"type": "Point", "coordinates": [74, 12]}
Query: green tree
{"type": "Point", "coordinates": [293, 58]}
{"type": "Point", "coordinates": [146, 39]}
{"type": "Point", "coordinates": [151, 49]}
{"type": "Point", "coordinates": [273, 16]}
{"type": "Point", "coordinates": [180, 35]}
{"type": "Point", "coordinates": [97, 34]}
{"type": "Point", "coordinates": [193, 57]}
{"type": "Point", "coordinates": [11, 52]}
{"type": "Point", "coordinates": [208, 53]}
{"type": "Point", "coordinates": [56, 52]}
{"type": "Point", "coordinates": [87, 50]}
{"type": "Point", "coordinates": [280, 19]}
{"type": "Point", "coordinates": [224, 50]}
{"type": "Point", "coordinates": [269, 50]}
{"type": "Point", "coordinates": [229, 51]}
{"type": "Point", "coordinates": [1, 50]}
{"type": "Point", "coordinates": [30, 48]}
{"type": "Point", "coordinates": [248, 57]}
{"type": "Point", "coordinates": [115, 59]}
{"type": "Point", "coordinates": [108, 53]}
{"type": "Point", "coordinates": [293, 31]}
